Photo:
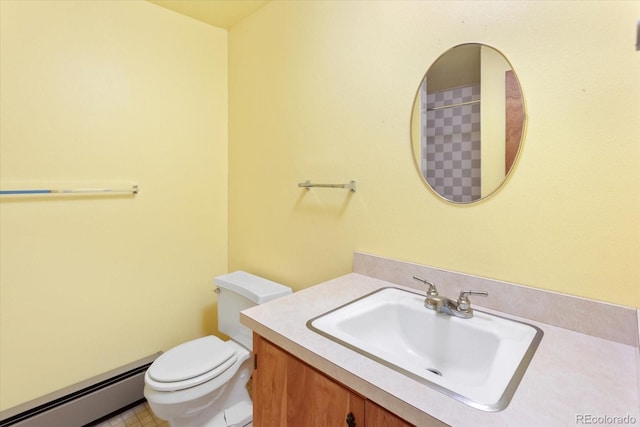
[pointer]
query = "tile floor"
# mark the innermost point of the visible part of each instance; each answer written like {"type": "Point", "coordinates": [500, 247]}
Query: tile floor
{"type": "Point", "coordinates": [138, 416]}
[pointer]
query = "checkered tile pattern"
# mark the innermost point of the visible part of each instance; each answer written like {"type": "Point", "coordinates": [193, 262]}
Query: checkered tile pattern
{"type": "Point", "coordinates": [451, 143]}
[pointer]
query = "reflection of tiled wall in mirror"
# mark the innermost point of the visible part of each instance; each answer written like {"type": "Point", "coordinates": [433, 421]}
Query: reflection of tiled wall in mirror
{"type": "Point", "coordinates": [450, 143]}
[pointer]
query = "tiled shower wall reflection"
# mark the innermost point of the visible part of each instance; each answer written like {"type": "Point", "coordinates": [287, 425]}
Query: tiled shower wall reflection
{"type": "Point", "coordinates": [450, 142]}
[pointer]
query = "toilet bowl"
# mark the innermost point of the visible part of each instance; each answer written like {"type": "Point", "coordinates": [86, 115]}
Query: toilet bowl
{"type": "Point", "coordinates": [203, 382]}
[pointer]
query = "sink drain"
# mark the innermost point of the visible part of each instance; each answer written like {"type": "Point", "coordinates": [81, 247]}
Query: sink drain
{"type": "Point", "coordinates": [434, 371]}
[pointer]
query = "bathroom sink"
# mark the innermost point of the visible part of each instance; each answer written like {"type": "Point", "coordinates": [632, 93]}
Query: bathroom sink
{"type": "Point", "coordinates": [478, 361]}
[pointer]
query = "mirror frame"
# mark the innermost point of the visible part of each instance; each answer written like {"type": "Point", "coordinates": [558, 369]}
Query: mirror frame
{"type": "Point", "coordinates": [416, 145]}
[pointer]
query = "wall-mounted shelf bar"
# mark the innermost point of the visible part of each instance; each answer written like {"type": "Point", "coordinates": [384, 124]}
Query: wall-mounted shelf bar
{"type": "Point", "coordinates": [308, 184]}
{"type": "Point", "coordinates": [43, 191]}
{"type": "Point", "coordinates": [459, 104]}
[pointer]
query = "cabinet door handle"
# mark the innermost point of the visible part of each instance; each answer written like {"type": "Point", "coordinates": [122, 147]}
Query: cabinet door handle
{"type": "Point", "coordinates": [351, 420]}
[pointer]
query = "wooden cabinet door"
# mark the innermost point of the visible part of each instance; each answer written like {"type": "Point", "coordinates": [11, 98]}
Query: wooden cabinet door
{"type": "Point", "coordinates": [289, 393]}
{"type": "Point", "coordinates": [269, 384]}
{"type": "Point", "coordinates": [376, 416]}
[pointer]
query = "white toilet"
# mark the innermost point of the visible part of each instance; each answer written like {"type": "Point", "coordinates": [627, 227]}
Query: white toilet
{"type": "Point", "coordinates": [203, 382]}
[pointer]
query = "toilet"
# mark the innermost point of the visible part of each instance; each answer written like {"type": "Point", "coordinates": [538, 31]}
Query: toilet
{"type": "Point", "coordinates": [203, 382]}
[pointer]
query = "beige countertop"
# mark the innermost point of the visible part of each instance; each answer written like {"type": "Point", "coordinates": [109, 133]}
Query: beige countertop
{"type": "Point", "coordinates": [573, 378]}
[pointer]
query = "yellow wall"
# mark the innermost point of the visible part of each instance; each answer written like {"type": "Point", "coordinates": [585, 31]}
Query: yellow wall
{"type": "Point", "coordinates": [107, 91]}
{"type": "Point", "coordinates": [324, 90]}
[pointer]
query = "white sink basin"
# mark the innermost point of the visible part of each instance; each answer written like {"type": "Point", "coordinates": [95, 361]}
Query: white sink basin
{"type": "Point", "coordinates": [478, 361]}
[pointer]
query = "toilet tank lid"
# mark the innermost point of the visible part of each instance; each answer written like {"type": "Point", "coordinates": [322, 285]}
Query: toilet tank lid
{"type": "Point", "coordinates": [257, 289]}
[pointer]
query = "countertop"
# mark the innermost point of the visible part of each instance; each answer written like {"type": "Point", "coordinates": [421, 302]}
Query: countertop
{"type": "Point", "coordinates": [573, 378]}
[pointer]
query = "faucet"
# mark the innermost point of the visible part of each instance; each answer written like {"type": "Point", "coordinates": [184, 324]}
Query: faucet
{"type": "Point", "coordinates": [459, 308]}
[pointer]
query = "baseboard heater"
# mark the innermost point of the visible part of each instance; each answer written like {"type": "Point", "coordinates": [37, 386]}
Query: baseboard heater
{"type": "Point", "coordinates": [85, 402]}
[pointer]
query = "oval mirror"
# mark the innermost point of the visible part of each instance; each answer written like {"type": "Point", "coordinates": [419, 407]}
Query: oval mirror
{"type": "Point", "coordinates": [467, 123]}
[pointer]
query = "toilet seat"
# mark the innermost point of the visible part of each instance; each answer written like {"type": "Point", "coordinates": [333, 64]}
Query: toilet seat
{"type": "Point", "coordinates": [190, 364]}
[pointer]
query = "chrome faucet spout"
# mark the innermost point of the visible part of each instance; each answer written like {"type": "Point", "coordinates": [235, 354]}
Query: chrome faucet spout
{"type": "Point", "coordinates": [460, 308]}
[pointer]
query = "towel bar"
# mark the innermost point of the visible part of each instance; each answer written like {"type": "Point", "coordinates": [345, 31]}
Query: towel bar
{"type": "Point", "coordinates": [308, 184]}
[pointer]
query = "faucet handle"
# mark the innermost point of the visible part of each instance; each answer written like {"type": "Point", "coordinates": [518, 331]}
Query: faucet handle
{"type": "Point", "coordinates": [431, 291]}
{"type": "Point", "coordinates": [464, 304]}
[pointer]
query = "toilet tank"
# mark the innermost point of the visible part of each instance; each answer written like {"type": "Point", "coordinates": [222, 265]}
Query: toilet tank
{"type": "Point", "coordinates": [238, 291]}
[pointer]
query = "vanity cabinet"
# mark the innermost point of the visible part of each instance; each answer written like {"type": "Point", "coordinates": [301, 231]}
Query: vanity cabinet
{"type": "Point", "coordinates": [287, 392]}
{"type": "Point", "coordinates": [376, 416]}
